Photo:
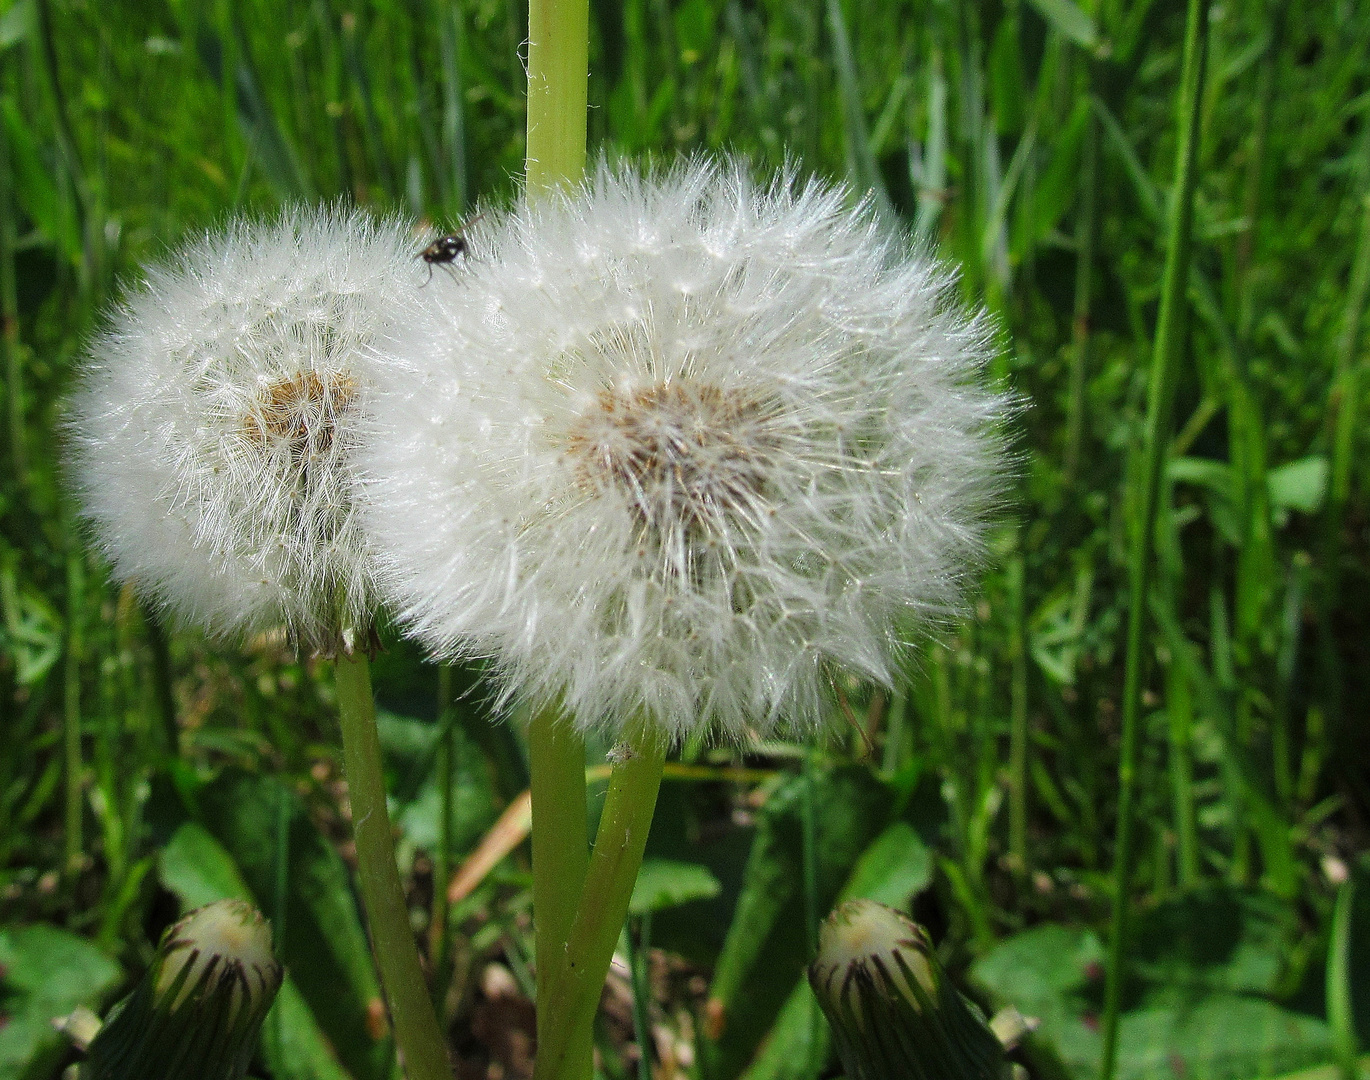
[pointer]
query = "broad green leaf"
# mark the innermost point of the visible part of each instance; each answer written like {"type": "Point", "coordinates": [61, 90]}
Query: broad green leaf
{"type": "Point", "coordinates": [197, 869]}
{"type": "Point", "coordinates": [766, 949]}
{"type": "Point", "coordinates": [17, 23]}
{"type": "Point", "coordinates": [410, 749]}
{"type": "Point", "coordinates": [1054, 973]}
{"type": "Point", "coordinates": [663, 883]}
{"type": "Point", "coordinates": [292, 1043]}
{"type": "Point", "coordinates": [895, 866]}
{"type": "Point", "coordinates": [1230, 1038]}
{"type": "Point", "coordinates": [1070, 21]}
{"type": "Point", "coordinates": [1299, 485]}
{"type": "Point", "coordinates": [799, 1043]}
{"type": "Point", "coordinates": [45, 972]}
{"type": "Point", "coordinates": [1216, 940]}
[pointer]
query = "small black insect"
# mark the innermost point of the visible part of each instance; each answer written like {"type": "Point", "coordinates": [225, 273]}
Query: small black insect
{"type": "Point", "coordinates": [444, 251]}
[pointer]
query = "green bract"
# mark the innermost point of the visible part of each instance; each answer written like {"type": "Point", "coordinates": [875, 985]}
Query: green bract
{"type": "Point", "coordinates": [893, 1013]}
{"type": "Point", "coordinates": [198, 1010]}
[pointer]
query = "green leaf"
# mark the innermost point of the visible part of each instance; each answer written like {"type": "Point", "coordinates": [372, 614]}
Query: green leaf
{"type": "Point", "coordinates": [895, 867]}
{"type": "Point", "coordinates": [52, 213]}
{"type": "Point", "coordinates": [1055, 190]}
{"type": "Point", "coordinates": [1054, 973]}
{"type": "Point", "coordinates": [198, 870]}
{"type": "Point", "coordinates": [1216, 940]}
{"type": "Point", "coordinates": [1216, 476]}
{"type": "Point", "coordinates": [1070, 21]}
{"type": "Point", "coordinates": [663, 883]}
{"type": "Point", "coordinates": [45, 972]}
{"type": "Point", "coordinates": [766, 950]}
{"type": "Point", "coordinates": [292, 1043]}
{"type": "Point", "coordinates": [1229, 1038]}
{"type": "Point", "coordinates": [799, 1043]}
{"type": "Point", "coordinates": [1299, 485]}
{"type": "Point", "coordinates": [18, 23]}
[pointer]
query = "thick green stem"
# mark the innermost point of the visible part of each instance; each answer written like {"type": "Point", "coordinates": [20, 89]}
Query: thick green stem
{"type": "Point", "coordinates": [558, 73]}
{"type": "Point", "coordinates": [603, 906]}
{"type": "Point", "coordinates": [1340, 1014]}
{"type": "Point", "coordinates": [1170, 326]}
{"type": "Point", "coordinates": [417, 1035]}
{"type": "Point", "coordinates": [561, 857]}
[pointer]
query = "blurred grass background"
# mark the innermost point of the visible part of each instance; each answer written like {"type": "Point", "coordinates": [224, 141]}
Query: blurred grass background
{"type": "Point", "coordinates": [1030, 141]}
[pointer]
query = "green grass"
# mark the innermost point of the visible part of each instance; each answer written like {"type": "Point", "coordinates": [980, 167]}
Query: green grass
{"type": "Point", "coordinates": [1034, 144]}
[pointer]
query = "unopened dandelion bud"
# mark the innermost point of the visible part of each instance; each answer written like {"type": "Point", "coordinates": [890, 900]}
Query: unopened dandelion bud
{"type": "Point", "coordinates": [198, 1010]}
{"type": "Point", "coordinates": [894, 1014]}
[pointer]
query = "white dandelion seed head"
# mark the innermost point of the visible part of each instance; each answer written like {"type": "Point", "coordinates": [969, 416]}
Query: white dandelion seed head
{"type": "Point", "coordinates": [678, 447]}
{"type": "Point", "coordinates": [215, 422]}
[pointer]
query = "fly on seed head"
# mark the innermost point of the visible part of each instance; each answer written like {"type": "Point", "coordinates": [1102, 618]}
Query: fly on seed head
{"type": "Point", "coordinates": [445, 250]}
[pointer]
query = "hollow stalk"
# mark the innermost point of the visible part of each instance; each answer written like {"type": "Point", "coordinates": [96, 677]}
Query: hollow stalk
{"type": "Point", "coordinates": [417, 1035]}
{"type": "Point", "coordinates": [561, 857]}
{"type": "Point", "coordinates": [558, 73]}
{"type": "Point", "coordinates": [619, 844]}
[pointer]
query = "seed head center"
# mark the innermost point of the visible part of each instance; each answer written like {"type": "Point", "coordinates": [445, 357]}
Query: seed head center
{"type": "Point", "coordinates": [297, 416]}
{"type": "Point", "coordinates": [687, 456]}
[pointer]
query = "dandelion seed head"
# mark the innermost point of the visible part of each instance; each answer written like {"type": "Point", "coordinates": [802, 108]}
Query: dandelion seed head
{"type": "Point", "coordinates": [215, 421]}
{"type": "Point", "coordinates": [680, 446]}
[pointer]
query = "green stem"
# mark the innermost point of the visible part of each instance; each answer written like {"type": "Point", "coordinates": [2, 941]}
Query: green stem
{"type": "Point", "coordinates": [439, 938]}
{"type": "Point", "coordinates": [558, 70]}
{"type": "Point", "coordinates": [1169, 339]}
{"type": "Point", "coordinates": [808, 820]}
{"type": "Point", "coordinates": [417, 1035]}
{"type": "Point", "coordinates": [561, 856]}
{"type": "Point", "coordinates": [1340, 1015]}
{"type": "Point", "coordinates": [637, 955]}
{"type": "Point", "coordinates": [1018, 721]}
{"type": "Point", "coordinates": [71, 714]}
{"type": "Point", "coordinates": [162, 690]}
{"type": "Point", "coordinates": [619, 844]}
{"type": "Point", "coordinates": [1084, 278]}
{"type": "Point", "coordinates": [558, 81]}
{"type": "Point", "coordinates": [1180, 708]}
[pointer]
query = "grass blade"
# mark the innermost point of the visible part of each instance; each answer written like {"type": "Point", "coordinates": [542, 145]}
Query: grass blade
{"type": "Point", "coordinates": [1169, 338]}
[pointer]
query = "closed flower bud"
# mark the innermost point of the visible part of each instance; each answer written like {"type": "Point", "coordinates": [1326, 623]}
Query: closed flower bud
{"type": "Point", "coordinates": [199, 1008]}
{"type": "Point", "coordinates": [894, 1014]}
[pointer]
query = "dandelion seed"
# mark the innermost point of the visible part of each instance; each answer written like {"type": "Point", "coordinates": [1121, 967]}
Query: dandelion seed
{"type": "Point", "coordinates": [677, 446]}
{"type": "Point", "coordinates": [215, 423]}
